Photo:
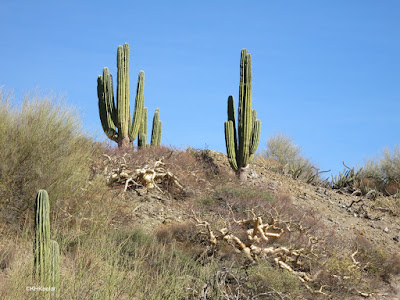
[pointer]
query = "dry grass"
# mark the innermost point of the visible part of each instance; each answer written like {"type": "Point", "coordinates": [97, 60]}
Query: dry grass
{"type": "Point", "coordinates": [44, 147]}
{"type": "Point", "coordinates": [48, 149]}
{"type": "Point", "coordinates": [383, 173]}
{"type": "Point", "coordinates": [290, 161]}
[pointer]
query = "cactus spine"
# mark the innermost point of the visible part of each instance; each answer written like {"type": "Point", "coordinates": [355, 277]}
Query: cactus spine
{"type": "Point", "coordinates": [242, 140]}
{"type": "Point", "coordinates": [42, 238]}
{"type": "Point", "coordinates": [116, 120]}
{"type": "Point", "coordinates": [157, 128]}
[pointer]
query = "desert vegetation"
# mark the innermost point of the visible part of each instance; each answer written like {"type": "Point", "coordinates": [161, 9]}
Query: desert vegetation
{"type": "Point", "coordinates": [95, 221]}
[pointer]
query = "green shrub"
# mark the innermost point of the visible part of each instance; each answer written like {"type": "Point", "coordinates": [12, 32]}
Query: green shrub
{"type": "Point", "coordinates": [43, 147]}
{"type": "Point", "coordinates": [265, 278]}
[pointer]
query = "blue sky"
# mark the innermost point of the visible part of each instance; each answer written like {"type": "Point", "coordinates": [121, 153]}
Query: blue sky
{"type": "Point", "coordinates": [325, 73]}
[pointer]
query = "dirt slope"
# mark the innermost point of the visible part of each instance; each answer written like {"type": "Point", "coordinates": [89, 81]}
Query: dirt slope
{"type": "Point", "coordinates": [348, 216]}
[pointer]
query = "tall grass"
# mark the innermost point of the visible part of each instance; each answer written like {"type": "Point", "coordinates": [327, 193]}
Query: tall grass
{"type": "Point", "coordinates": [43, 146]}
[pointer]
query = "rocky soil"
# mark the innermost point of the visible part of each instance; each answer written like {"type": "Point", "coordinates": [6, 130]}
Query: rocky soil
{"type": "Point", "coordinates": [348, 216]}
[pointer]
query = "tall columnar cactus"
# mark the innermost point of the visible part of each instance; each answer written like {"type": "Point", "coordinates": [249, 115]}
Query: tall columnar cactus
{"type": "Point", "coordinates": [42, 251]}
{"type": "Point", "coordinates": [157, 129]}
{"type": "Point", "coordinates": [116, 119]}
{"type": "Point", "coordinates": [242, 142]}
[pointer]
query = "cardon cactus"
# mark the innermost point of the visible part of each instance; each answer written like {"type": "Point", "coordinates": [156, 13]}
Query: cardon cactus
{"type": "Point", "coordinates": [116, 120]}
{"type": "Point", "coordinates": [42, 251]}
{"type": "Point", "coordinates": [242, 142]}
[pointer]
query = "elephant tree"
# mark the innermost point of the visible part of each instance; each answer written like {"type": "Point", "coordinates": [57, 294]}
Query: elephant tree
{"type": "Point", "coordinates": [116, 120]}
{"type": "Point", "coordinates": [242, 142]}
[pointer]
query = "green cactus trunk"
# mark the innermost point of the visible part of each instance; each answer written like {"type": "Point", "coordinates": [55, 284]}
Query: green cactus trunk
{"type": "Point", "coordinates": [46, 252]}
{"type": "Point", "coordinates": [242, 142]}
{"type": "Point", "coordinates": [157, 129]}
{"type": "Point", "coordinates": [116, 120]}
{"type": "Point", "coordinates": [42, 251]}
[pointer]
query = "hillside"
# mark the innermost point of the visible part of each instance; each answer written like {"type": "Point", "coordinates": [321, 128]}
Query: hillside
{"type": "Point", "coordinates": [360, 233]}
{"type": "Point", "coordinates": [179, 238]}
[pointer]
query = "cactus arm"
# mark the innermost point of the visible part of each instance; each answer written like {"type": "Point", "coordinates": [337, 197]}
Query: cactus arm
{"type": "Point", "coordinates": [106, 104]}
{"type": "Point", "coordinates": [142, 136]}
{"type": "Point", "coordinates": [230, 144]}
{"type": "Point", "coordinates": [159, 134]}
{"type": "Point", "coordinates": [123, 90]}
{"type": "Point", "coordinates": [139, 106]}
{"type": "Point", "coordinates": [232, 117]}
{"type": "Point", "coordinates": [255, 133]}
{"type": "Point", "coordinates": [245, 125]}
{"type": "Point", "coordinates": [255, 139]}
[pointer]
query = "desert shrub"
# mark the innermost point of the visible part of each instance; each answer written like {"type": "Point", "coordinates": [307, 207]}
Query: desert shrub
{"type": "Point", "coordinates": [392, 204]}
{"type": "Point", "coordinates": [384, 171]}
{"type": "Point", "coordinates": [375, 260]}
{"type": "Point", "coordinates": [43, 147]}
{"type": "Point", "coordinates": [269, 280]}
{"type": "Point", "coordinates": [282, 149]}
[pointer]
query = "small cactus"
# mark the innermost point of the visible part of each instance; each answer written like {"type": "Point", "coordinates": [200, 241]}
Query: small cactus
{"type": "Point", "coordinates": [155, 133]}
{"type": "Point", "coordinates": [42, 239]}
{"type": "Point", "coordinates": [46, 252]}
{"type": "Point", "coordinates": [242, 140]}
{"type": "Point", "coordinates": [157, 129]}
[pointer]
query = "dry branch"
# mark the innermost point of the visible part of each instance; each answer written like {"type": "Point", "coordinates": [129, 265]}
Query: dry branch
{"type": "Point", "coordinates": [147, 177]}
{"type": "Point", "coordinates": [258, 232]}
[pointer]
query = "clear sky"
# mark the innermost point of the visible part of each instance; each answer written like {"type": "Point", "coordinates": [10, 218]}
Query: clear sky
{"type": "Point", "coordinates": [325, 73]}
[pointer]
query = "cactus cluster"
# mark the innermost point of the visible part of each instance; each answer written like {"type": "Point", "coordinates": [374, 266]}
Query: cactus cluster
{"type": "Point", "coordinates": [116, 120]}
{"type": "Point", "coordinates": [155, 133]}
{"type": "Point", "coordinates": [242, 140]}
{"type": "Point", "coordinates": [46, 252]}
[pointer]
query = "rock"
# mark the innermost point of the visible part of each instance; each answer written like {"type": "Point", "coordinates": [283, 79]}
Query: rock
{"type": "Point", "coordinates": [371, 195]}
{"type": "Point", "coordinates": [321, 191]}
{"type": "Point", "coordinates": [396, 238]}
{"type": "Point", "coordinates": [386, 229]}
{"type": "Point", "coordinates": [253, 174]}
